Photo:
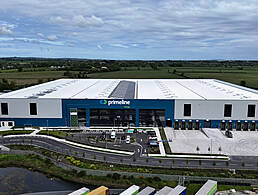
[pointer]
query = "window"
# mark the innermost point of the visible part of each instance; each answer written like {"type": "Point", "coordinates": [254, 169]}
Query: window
{"type": "Point", "coordinates": [4, 108]}
{"type": "Point", "coordinates": [33, 109]}
{"type": "Point", "coordinates": [10, 124]}
{"type": "Point", "coordinates": [187, 109]}
{"type": "Point", "coordinates": [228, 110]}
{"type": "Point", "coordinates": [251, 111]}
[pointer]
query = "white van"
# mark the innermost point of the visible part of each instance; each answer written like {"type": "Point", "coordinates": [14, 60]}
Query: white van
{"type": "Point", "coordinates": [128, 139]}
{"type": "Point", "coordinates": [113, 135]}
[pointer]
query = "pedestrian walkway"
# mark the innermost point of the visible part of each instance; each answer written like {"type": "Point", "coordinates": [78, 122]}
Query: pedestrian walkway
{"type": "Point", "coordinates": [161, 146]}
{"type": "Point", "coordinates": [35, 132]}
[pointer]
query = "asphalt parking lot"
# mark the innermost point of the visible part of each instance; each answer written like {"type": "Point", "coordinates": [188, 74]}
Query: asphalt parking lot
{"type": "Point", "coordinates": [104, 140]}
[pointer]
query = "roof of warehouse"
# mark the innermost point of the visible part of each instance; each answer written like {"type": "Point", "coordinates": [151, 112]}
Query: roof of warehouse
{"type": "Point", "coordinates": [196, 89]}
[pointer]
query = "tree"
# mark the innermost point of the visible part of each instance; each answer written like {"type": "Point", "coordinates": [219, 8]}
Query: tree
{"type": "Point", "coordinates": [243, 83]}
{"type": "Point", "coordinates": [243, 164]}
{"type": "Point", "coordinates": [154, 66]}
{"type": "Point", "coordinates": [20, 69]}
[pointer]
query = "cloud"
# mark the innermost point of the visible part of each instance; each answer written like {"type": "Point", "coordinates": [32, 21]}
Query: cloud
{"type": "Point", "coordinates": [6, 29]}
{"type": "Point", "coordinates": [82, 21]}
{"type": "Point", "coordinates": [52, 37]}
{"type": "Point", "coordinates": [119, 45]}
{"type": "Point", "coordinates": [49, 37]}
{"type": "Point", "coordinates": [78, 21]}
{"type": "Point", "coordinates": [41, 35]}
{"type": "Point", "coordinates": [163, 25]}
{"type": "Point", "coordinates": [58, 20]}
{"type": "Point", "coordinates": [99, 46]}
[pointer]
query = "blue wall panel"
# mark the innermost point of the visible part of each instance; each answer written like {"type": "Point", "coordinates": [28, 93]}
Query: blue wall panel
{"type": "Point", "coordinates": [88, 104]}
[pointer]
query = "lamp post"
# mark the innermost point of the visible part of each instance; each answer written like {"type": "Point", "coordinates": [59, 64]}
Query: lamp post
{"type": "Point", "coordinates": [118, 117]}
{"type": "Point", "coordinates": [47, 127]}
{"type": "Point", "coordinates": [211, 146]}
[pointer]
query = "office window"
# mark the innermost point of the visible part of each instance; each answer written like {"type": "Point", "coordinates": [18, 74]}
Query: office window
{"type": "Point", "coordinates": [228, 110]}
{"type": "Point", "coordinates": [4, 108]}
{"type": "Point", "coordinates": [187, 109]}
{"type": "Point", "coordinates": [251, 111]}
{"type": "Point", "coordinates": [33, 109]}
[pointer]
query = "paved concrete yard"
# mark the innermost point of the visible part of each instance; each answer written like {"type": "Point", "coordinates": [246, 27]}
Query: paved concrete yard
{"type": "Point", "coordinates": [244, 143]}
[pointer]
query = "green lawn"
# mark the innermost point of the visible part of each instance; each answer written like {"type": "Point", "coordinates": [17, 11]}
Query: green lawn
{"type": "Point", "coordinates": [164, 137]}
{"type": "Point", "coordinates": [15, 132]}
{"type": "Point", "coordinates": [58, 134]}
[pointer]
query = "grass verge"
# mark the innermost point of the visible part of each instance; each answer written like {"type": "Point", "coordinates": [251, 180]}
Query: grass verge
{"type": "Point", "coordinates": [165, 143]}
{"type": "Point", "coordinates": [15, 132]}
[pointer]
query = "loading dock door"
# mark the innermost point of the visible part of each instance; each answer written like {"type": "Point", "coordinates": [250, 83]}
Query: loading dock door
{"type": "Point", "coordinates": [230, 125]}
{"type": "Point", "coordinates": [238, 126]}
{"type": "Point", "coordinates": [207, 124]}
{"type": "Point", "coordinates": [223, 125]}
{"type": "Point", "coordinates": [169, 123]}
{"type": "Point", "coordinates": [190, 125]}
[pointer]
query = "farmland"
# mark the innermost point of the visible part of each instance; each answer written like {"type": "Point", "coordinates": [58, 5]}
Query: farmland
{"type": "Point", "coordinates": [17, 73]}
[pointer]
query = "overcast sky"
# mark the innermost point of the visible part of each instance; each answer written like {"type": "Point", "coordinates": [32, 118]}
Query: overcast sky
{"type": "Point", "coordinates": [130, 29]}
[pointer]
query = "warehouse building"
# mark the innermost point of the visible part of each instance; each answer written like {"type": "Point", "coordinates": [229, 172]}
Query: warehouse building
{"type": "Point", "coordinates": [180, 103]}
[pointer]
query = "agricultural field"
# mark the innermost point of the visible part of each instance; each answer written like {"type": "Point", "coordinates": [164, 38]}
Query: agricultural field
{"type": "Point", "coordinates": [24, 72]}
{"type": "Point", "coordinates": [234, 75]}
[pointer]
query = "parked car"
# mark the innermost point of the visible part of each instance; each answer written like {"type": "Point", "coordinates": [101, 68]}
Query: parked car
{"type": "Point", "coordinates": [229, 134]}
{"type": "Point", "coordinates": [128, 139]}
{"type": "Point", "coordinates": [113, 135]}
{"type": "Point", "coordinates": [123, 137]}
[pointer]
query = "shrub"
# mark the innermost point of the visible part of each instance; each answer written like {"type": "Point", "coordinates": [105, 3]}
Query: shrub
{"type": "Point", "coordinates": [81, 174]}
{"type": "Point", "coordinates": [116, 176]}
{"type": "Point", "coordinates": [93, 166]}
{"type": "Point", "coordinates": [156, 178]}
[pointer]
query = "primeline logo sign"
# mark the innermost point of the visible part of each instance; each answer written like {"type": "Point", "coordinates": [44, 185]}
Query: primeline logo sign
{"type": "Point", "coordinates": [114, 102]}
{"type": "Point", "coordinates": [103, 101]}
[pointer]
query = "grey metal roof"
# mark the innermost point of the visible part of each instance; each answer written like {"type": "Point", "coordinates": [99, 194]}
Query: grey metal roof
{"type": "Point", "coordinates": [177, 190]}
{"type": "Point", "coordinates": [124, 90]}
{"type": "Point", "coordinates": [206, 187]}
{"type": "Point", "coordinates": [164, 191]}
{"type": "Point", "coordinates": [146, 191]}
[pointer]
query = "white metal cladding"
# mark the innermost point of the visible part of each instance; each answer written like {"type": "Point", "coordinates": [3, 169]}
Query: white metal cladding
{"type": "Point", "coordinates": [191, 89]}
{"type": "Point", "coordinates": [20, 108]}
{"type": "Point", "coordinates": [214, 109]}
